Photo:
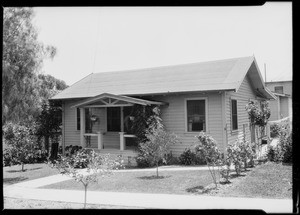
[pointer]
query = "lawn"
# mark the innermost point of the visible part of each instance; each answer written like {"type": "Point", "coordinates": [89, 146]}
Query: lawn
{"type": "Point", "coordinates": [169, 182]}
{"type": "Point", "coordinates": [14, 174]}
{"type": "Point", "coordinates": [269, 180]}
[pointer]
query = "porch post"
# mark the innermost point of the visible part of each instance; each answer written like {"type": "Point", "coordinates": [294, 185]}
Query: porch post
{"type": "Point", "coordinates": [122, 142]}
{"type": "Point", "coordinates": [100, 140]}
{"type": "Point", "coordinates": [82, 127]}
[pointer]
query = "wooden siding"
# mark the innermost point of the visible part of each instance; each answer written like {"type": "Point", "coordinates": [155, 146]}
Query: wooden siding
{"type": "Point", "coordinates": [72, 135]}
{"type": "Point", "coordinates": [174, 118]}
{"type": "Point", "coordinates": [243, 96]}
{"type": "Point", "coordinates": [274, 108]}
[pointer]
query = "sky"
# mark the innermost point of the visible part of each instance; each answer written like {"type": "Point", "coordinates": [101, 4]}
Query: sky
{"type": "Point", "coordinates": [103, 39]}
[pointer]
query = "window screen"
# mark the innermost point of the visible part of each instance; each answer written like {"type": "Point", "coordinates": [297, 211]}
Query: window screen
{"type": "Point", "coordinates": [196, 115]}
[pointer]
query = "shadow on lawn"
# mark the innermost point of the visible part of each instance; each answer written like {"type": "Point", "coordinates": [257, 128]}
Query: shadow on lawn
{"type": "Point", "coordinates": [20, 170]}
{"type": "Point", "coordinates": [13, 180]}
{"type": "Point", "coordinates": [153, 177]}
{"type": "Point", "coordinates": [200, 189]}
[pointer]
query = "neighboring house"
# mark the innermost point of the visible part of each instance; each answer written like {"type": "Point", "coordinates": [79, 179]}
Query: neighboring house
{"type": "Point", "coordinates": [208, 96]}
{"type": "Point", "coordinates": [282, 106]}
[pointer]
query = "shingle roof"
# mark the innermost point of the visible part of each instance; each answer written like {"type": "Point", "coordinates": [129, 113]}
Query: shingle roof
{"type": "Point", "coordinates": [205, 76]}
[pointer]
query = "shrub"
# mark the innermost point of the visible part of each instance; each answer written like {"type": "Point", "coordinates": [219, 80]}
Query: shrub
{"type": "Point", "coordinates": [207, 147]}
{"type": "Point", "coordinates": [275, 130]}
{"type": "Point", "coordinates": [22, 145]}
{"type": "Point", "coordinates": [286, 147]}
{"type": "Point", "coordinates": [189, 157]}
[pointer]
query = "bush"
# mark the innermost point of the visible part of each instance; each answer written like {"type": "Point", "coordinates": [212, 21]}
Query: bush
{"type": "Point", "coordinates": [283, 151]}
{"type": "Point", "coordinates": [188, 157]}
{"type": "Point", "coordinates": [275, 130]}
{"type": "Point", "coordinates": [22, 145]}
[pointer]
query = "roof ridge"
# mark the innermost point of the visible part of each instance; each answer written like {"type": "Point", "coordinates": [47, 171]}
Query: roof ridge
{"type": "Point", "coordinates": [170, 66]}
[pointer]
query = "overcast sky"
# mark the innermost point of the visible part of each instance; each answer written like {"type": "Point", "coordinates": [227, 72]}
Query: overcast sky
{"type": "Point", "coordinates": [103, 39]}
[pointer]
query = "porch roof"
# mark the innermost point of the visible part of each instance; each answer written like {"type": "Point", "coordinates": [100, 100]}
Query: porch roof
{"type": "Point", "coordinates": [111, 100]}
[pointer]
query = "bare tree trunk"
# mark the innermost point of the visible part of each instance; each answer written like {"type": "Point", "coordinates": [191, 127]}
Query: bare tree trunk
{"type": "Point", "coordinates": [22, 167]}
{"type": "Point", "coordinates": [157, 169]}
{"type": "Point", "coordinates": [46, 144]}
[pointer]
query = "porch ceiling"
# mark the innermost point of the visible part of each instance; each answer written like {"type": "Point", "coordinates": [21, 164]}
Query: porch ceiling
{"type": "Point", "coordinates": [111, 100]}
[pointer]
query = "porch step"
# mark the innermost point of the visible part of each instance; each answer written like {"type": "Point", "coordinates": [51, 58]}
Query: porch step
{"type": "Point", "coordinates": [128, 156]}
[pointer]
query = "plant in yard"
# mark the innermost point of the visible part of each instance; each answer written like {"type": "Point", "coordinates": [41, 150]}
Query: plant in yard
{"type": "Point", "coordinates": [158, 146]}
{"type": "Point", "coordinates": [49, 122]}
{"type": "Point", "coordinates": [97, 166]}
{"type": "Point", "coordinates": [258, 116]}
{"type": "Point", "coordinates": [189, 157]}
{"type": "Point", "coordinates": [21, 144]}
{"type": "Point", "coordinates": [207, 146]}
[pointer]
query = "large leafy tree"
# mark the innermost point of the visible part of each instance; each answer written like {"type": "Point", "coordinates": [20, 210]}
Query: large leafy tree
{"type": "Point", "coordinates": [22, 59]}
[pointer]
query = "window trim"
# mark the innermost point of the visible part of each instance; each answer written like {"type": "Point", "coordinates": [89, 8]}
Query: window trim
{"type": "Point", "coordinates": [231, 114]}
{"type": "Point", "coordinates": [206, 114]}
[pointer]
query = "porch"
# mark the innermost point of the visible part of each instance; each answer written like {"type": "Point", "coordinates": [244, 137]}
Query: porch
{"type": "Point", "coordinates": [105, 122]}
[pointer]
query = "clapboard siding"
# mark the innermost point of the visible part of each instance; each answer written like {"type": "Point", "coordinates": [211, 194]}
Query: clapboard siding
{"type": "Point", "coordinates": [243, 95]}
{"type": "Point", "coordinates": [72, 136]}
{"type": "Point", "coordinates": [174, 118]}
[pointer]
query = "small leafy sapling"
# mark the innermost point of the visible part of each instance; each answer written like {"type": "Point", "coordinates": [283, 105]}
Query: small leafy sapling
{"type": "Point", "coordinates": [97, 166]}
{"type": "Point", "coordinates": [208, 147]}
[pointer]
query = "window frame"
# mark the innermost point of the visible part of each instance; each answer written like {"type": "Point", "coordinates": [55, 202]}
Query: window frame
{"type": "Point", "coordinates": [186, 116]}
{"type": "Point", "coordinates": [231, 114]}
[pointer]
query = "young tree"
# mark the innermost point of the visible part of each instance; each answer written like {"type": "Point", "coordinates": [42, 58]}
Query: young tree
{"type": "Point", "coordinates": [157, 146]}
{"type": "Point", "coordinates": [208, 147]}
{"type": "Point", "coordinates": [97, 166]}
{"type": "Point", "coordinates": [22, 59]}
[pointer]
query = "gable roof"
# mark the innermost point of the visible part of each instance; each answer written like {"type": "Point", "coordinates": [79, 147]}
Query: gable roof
{"type": "Point", "coordinates": [205, 76]}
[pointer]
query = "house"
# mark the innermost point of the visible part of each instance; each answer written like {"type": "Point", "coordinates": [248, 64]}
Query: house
{"type": "Point", "coordinates": [282, 106]}
{"type": "Point", "coordinates": [207, 96]}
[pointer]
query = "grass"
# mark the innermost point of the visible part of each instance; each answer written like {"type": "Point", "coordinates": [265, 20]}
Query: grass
{"type": "Point", "coordinates": [13, 203]}
{"type": "Point", "coordinates": [14, 174]}
{"type": "Point", "coordinates": [269, 180]}
{"type": "Point", "coordinates": [168, 182]}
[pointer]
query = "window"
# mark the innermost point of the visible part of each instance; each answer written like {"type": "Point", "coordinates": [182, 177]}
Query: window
{"type": "Point", "coordinates": [87, 119]}
{"type": "Point", "coordinates": [78, 119]}
{"type": "Point", "coordinates": [113, 119]}
{"type": "Point", "coordinates": [278, 89]}
{"type": "Point", "coordinates": [234, 116]}
{"type": "Point", "coordinates": [195, 115]}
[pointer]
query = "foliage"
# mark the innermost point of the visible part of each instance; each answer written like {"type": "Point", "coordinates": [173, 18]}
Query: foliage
{"type": "Point", "coordinates": [275, 129]}
{"type": "Point", "coordinates": [283, 152]}
{"type": "Point", "coordinates": [157, 146]}
{"type": "Point", "coordinates": [189, 157]}
{"type": "Point", "coordinates": [207, 146]}
{"type": "Point", "coordinates": [145, 119]}
{"type": "Point", "coordinates": [49, 122]}
{"type": "Point", "coordinates": [97, 166]}
{"type": "Point", "coordinates": [23, 57]}
{"type": "Point", "coordinates": [22, 145]}
{"type": "Point", "coordinates": [258, 115]}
